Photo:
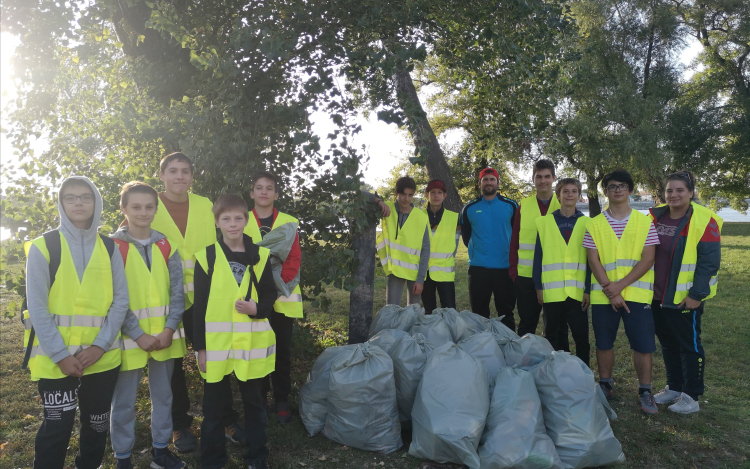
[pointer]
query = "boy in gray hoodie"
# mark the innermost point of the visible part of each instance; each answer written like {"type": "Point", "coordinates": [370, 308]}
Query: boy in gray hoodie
{"type": "Point", "coordinates": [75, 356]}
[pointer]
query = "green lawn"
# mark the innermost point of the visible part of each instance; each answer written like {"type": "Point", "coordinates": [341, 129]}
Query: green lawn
{"type": "Point", "coordinates": [718, 436]}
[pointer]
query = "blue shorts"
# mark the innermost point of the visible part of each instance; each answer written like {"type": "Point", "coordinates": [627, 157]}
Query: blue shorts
{"type": "Point", "coordinates": [639, 326]}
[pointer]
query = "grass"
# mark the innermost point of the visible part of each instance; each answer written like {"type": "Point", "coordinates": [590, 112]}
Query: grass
{"type": "Point", "coordinates": [717, 436]}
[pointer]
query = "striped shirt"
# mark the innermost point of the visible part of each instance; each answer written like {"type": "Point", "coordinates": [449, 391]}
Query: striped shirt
{"type": "Point", "coordinates": [618, 226]}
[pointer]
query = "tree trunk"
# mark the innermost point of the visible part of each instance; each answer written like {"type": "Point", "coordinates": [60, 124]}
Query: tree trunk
{"type": "Point", "coordinates": [592, 181]}
{"type": "Point", "coordinates": [424, 137]}
{"type": "Point", "coordinates": [361, 299]}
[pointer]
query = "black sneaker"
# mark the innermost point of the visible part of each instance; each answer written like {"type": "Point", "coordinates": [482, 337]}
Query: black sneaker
{"type": "Point", "coordinates": [235, 434]}
{"type": "Point", "coordinates": [259, 465]}
{"type": "Point", "coordinates": [606, 388]}
{"type": "Point", "coordinates": [283, 413]}
{"type": "Point", "coordinates": [124, 463]}
{"type": "Point", "coordinates": [184, 441]}
{"type": "Point", "coordinates": [162, 458]}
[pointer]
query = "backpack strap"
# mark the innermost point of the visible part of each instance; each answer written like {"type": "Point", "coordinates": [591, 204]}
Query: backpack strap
{"type": "Point", "coordinates": [109, 243]}
{"type": "Point", "coordinates": [165, 248]}
{"type": "Point", "coordinates": [124, 247]}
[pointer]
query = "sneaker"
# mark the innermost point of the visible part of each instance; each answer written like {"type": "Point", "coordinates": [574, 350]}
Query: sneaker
{"type": "Point", "coordinates": [235, 433]}
{"type": "Point", "coordinates": [259, 465]}
{"type": "Point", "coordinates": [608, 391]}
{"type": "Point", "coordinates": [162, 458]}
{"type": "Point", "coordinates": [685, 405]}
{"type": "Point", "coordinates": [283, 413]}
{"type": "Point", "coordinates": [124, 463]}
{"type": "Point", "coordinates": [666, 396]}
{"type": "Point", "coordinates": [184, 441]}
{"type": "Point", "coordinates": [648, 405]}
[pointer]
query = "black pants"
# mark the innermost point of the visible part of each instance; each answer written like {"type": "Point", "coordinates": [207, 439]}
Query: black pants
{"type": "Point", "coordinates": [560, 315]}
{"type": "Point", "coordinates": [446, 290]}
{"type": "Point", "coordinates": [528, 305]}
{"type": "Point", "coordinates": [217, 402]}
{"type": "Point", "coordinates": [483, 283]}
{"type": "Point", "coordinates": [93, 394]}
{"type": "Point", "coordinates": [180, 398]}
{"type": "Point", "coordinates": [281, 378]}
{"type": "Point", "coordinates": [679, 333]}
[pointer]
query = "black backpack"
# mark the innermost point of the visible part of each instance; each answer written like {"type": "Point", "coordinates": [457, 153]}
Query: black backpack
{"type": "Point", "coordinates": [52, 239]}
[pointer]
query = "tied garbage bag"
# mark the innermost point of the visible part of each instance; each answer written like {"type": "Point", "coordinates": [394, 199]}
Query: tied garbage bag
{"type": "Point", "coordinates": [409, 356]}
{"type": "Point", "coordinates": [362, 408]}
{"type": "Point", "coordinates": [515, 436]}
{"type": "Point", "coordinates": [451, 407]}
{"type": "Point", "coordinates": [483, 347]}
{"type": "Point", "coordinates": [434, 328]}
{"type": "Point", "coordinates": [475, 322]}
{"type": "Point", "coordinates": [502, 333]}
{"type": "Point", "coordinates": [575, 419]}
{"type": "Point", "coordinates": [458, 327]}
{"type": "Point", "coordinates": [395, 317]}
{"type": "Point", "coordinates": [313, 397]}
{"type": "Point", "coordinates": [527, 351]}
{"type": "Point", "coordinates": [386, 338]}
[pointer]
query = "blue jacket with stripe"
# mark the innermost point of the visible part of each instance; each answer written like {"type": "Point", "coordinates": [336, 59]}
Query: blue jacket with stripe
{"type": "Point", "coordinates": [486, 227]}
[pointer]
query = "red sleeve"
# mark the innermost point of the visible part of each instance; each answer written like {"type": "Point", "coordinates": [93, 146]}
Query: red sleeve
{"type": "Point", "coordinates": [712, 233]}
{"type": "Point", "coordinates": [513, 255]}
{"type": "Point", "coordinates": [290, 267]}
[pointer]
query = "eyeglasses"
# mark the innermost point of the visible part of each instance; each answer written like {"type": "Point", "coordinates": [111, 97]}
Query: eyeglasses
{"type": "Point", "coordinates": [70, 199]}
{"type": "Point", "coordinates": [617, 187]}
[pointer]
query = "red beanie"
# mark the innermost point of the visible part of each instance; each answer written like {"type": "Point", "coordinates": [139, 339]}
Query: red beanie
{"type": "Point", "coordinates": [487, 171]}
{"type": "Point", "coordinates": [435, 184]}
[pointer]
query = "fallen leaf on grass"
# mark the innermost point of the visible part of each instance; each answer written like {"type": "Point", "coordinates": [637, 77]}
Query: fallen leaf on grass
{"type": "Point", "coordinates": [28, 417]}
{"type": "Point", "coordinates": [322, 458]}
{"type": "Point", "coordinates": [301, 463]}
{"type": "Point", "coordinates": [3, 445]}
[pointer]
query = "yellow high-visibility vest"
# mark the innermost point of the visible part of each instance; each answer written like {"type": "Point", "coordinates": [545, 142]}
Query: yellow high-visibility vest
{"type": "Point", "coordinates": [527, 234]}
{"type": "Point", "coordinates": [235, 342]}
{"type": "Point", "coordinates": [563, 265]}
{"type": "Point", "coordinates": [200, 232]}
{"type": "Point", "coordinates": [620, 256]}
{"type": "Point", "coordinates": [149, 301]}
{"type": "Point", "coordinates": [79, 308]}
{"type": "Point", "coordinates": [290, 306]}
{"type": "Point", "coordinates": [399, 248]}
{"type": "Point", "coordinates": [442, 266]}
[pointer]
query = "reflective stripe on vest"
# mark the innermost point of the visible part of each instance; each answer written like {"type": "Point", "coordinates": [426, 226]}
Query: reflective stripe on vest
{"type": "Point", "coordinates": [442, 266]}
{"type": "Point", "coordinates": [620, 256]}
{"type": "Point", "coordinates": [235, 342]}
{"type": "Point", "coordinates": [527, 233]}
{"type": "Point", "coordinates": [563, 265]}
{"type": "Point", "coordinates": [400, 247]}
{"type": "Point", "coordinates": [78, 307]}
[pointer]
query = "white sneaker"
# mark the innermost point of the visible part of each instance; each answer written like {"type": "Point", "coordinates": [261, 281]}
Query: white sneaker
{"type": "Point", "coordinates": [666, 396]}
{"type": "Point", "coordinates": [685, 405]}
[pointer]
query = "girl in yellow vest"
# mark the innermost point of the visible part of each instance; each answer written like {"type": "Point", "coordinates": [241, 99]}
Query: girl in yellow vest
{"type": "Point", "coordinates": [687, 261]}
{"type": "Point", "coordinates": [152, 333]}
{"type": "Point", "coordinates": [234, 296]}
{"type": "Point", "coordinates": [75, 355]}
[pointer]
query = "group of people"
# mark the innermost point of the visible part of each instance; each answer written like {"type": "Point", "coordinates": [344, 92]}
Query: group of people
{"type": "Point", "coordinates": [652, 272]}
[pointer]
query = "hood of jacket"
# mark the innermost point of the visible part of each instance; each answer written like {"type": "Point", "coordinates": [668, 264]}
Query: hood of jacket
{"type": "Point", "coordinates": [123, 233]}
{"type": "Point", "coordinates": [75, 235]}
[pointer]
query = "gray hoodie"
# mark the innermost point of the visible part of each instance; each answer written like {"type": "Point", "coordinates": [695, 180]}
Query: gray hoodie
{"type": "Point", "coordinates": [176, 296]}
{"type": "Point", "coordinates": [81, 244]}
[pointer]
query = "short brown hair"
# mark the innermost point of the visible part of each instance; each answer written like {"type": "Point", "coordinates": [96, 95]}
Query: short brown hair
{"type": "Point", "coordinates": [405, 183]}
{"type": "Point", "coordinates": [265, 175]}
{"type": "Point", "coordinates": [137, 187]}
{"type": "Point", "coordinates": [567, 182]}
{"type": "Point", "coordinates": [543, 164]}
{"type": "Point", "coordinates": [228, 202]}
{"type": "Point", "coordinates": [176, 156]}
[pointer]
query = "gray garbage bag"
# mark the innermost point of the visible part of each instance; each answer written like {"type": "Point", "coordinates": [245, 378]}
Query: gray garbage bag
{"type": "Point", "coordinates": [458, 327]}
{"type": "Point", "coordinates": [409, 356]}
{"type": "Point", "coordinates": [515, 436]}
{"type": "Point", "coordinates": [450, 409]}
{"type": "Point", "coordinates": [575, 419]}
{"type": "Point", "coordinates": [527, 351]}
{"type": "Point", "coordinates": [313, 397]}
{"type": "Point", "coordinates": [434, 328]}
{"type": "Point", "coordinates": [501, 332]}
{"type": "Point", "coordinates": [395, 317]}
{"type": "Point", "coordinates": [475, 322]}
{"type": "Point", "coordinates": [483, 347]}
{"type": "Point", "coordinates": [386, 338]}
{"type": "Point", "coordinates": [362, 408]}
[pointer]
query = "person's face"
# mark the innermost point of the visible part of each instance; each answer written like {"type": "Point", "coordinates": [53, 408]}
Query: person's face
{"type": "Point", "coordinates": [404, 198]}
{"type": "Point", "coordinates": [569, 195]}
{"type": "Point", "coordinates": [232, 223]}
{"type": "Point", "coordinates": [78, 204]}
{"type": "Point", "coordinates": [677, 194]}
{"type": "Point", "coordinates": [264, 193]}
{"type": "Point", "coordinates": [140, 210]}
{"type": "Point", "coordinates": [543, 180]}
{"type": "Point", "coordinates": [617, 191]}
{"type": "Point", "coordinates": [177, 177]}
{"type": "Point", "coordinates": [488, 184]}
{"type": "Point", "coordinates": [436, 197]}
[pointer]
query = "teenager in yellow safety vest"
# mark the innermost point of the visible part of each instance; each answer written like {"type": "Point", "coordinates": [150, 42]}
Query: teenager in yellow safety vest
{"type": "Point", "coordinates": [77, 297]}
{"type": "Point", "coordinates": [234, 296]}
{"type": "Point", "coordinates": [152, 333]}
{"type": "Point", "coordinates": [621, 243]}
{"type": "Point", "coordinates": [445, 232]}
{"type": "Point", "coordinates": [687, 261]}
{"type": "Point", "coordinates": [277, 232]}
{"type": "Point", "coordinates": [523, 240]}
{"type": "Point", "coordinates": [561, 274]}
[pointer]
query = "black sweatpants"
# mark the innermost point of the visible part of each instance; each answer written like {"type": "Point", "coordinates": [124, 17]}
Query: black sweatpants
{"type": "Point", "coordinates": [281, 378]}
{"type": "Point", "coordinates": [560, 315]}
{"type": "Point", "coordinates": [483, 283]}
{"type": "Point", "coordinates": [446, 290]}
{"type": "Point", "coordinates": [217, 402]}
{"type": "Point", "coordinates": [181, 419]}
{"type": "Point", "coordinates": [679, 333]}
{"type": "Point", "coordinates": [528, 305]}
{"type": "Point", "coordinates": [93, 394]}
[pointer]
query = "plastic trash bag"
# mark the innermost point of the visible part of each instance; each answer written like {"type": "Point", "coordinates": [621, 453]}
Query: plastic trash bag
{"type": "Point", "coordinates": [434, 328]}
{"type": "Point", "coordinates": [527, 351]}
{"type": "Point", "coordinates": [386, 338]}
{"type": "Point", "coordinates": [458, 327]}
{"type": "Point", "coordinates": [475, 322]}
{"type": "Point", "coordinates": [409, 356]}
{"type": "Point", "coordinates": [515, 436]}
{"type": "Point", "coordinates": [575, 419]}
{"type": "Point", "coordinates": [362, 408]}
{"type": "Point", "coordinates": [395, 317]}
{"type": "Point", "coordinates": [502, 333]}
{"type": "Point", "coordinates": [451, 408]}
{"type": "Point", "coordinates": [313, 397]}
{"type": "Point", "coordinates": [483, 347]}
